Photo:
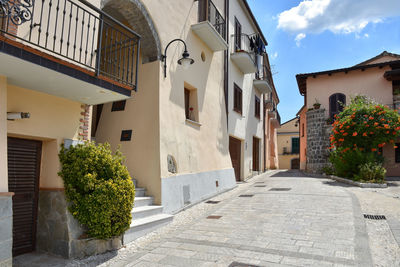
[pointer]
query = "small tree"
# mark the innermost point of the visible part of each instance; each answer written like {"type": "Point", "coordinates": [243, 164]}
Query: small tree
{"type": "Point", "coordinates": [98, 187]}
{"type": "Point", "coordinates": [359, 131]}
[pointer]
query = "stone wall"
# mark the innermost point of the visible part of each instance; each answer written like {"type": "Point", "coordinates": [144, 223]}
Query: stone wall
{"type": "Point", "coordinates": [60, 234]}
{"type": "Point", "coordinates": [317, 140]}
{"type": "Point", "coordinates": [5, 231]}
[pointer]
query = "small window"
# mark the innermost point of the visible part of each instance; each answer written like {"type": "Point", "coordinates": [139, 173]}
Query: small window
{"type": "Point", "coordinates": [302, 130]}
{"type": "Point", "coordinates": [118, 105]}
{"type": "Point", "coordinates": [191, 107]}
{"type": "Point", "coordinates": [238, 35]}
{"type": "Point", "coordinates": [295, 145]}
{"type": "Point", "coordinates": [336, 104]}
{"type": "Point", "coordinates": [257, 107]}
{"type": "Point", "coordinates": [397, 153]}
{"type": "Point", "coordinates": [237, 99]}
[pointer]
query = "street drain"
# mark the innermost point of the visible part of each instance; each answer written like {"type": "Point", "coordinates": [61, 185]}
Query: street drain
{"type": "Point", "coordinates": [280, 189]}
{"type": "Point", "coordinates": [215, 217]}
{"type": "Point", "coordinates": [239, 264]}
{"type": "Point", "coordinates": [246, 195]}
{"type": "Point", "coordinates": [374, 217]}
{"type": "Point", "coordinates": [260, 186]}
{"type": "Point", "coordinates": [212, 202]}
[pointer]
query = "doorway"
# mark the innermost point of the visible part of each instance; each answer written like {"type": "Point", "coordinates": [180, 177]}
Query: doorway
{"type": "Point", "coordinates": [235, 148]}
{"type": "Point", "coordinates": [256, 154]}
{"type": "Point", "coordinates": [23, 179]}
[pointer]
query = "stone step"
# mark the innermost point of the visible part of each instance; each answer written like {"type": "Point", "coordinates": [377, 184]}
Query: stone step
{"type": "Point", "coordinates": [142, 226]}
{"type": "Point", "coordinates": [140, 192]}
{"type": "Point", "coordinates": [145, 211]}
{"type": "Point", "coordinates": [143, 201]}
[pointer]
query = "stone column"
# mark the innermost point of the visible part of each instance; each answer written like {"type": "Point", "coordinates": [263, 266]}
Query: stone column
{"type": "Point", "coordinates": [317, 140]}
{"type": "Point", "coordinates": [5, 196]}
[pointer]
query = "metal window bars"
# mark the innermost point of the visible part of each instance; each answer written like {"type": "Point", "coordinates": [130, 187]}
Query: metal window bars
{"type": "Point", "coordinates": [77, 32]}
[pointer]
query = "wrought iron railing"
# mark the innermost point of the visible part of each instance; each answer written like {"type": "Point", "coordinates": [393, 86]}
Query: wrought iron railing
{"type": "Point", "coordinates": [75, 31]}
{"type": "Point", "coordinates": [208, 11]}
{"type": "Point", "coordinates": [242, 43]}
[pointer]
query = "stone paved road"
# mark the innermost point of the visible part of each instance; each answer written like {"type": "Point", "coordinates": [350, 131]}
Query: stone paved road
{"type": "Point", "coordinates": [286, 219]}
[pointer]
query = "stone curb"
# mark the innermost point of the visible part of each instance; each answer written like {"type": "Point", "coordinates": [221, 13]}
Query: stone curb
{"type": "Point", "coordinates": [347, 181]}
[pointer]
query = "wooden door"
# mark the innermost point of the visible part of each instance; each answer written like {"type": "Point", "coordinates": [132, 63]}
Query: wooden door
{"type": "Point", "coordinates": [295, 164]}
{"type": "Point", "coordinates": [256, 154]}
{"type": "Point", "coordinates": [23, 179]}
{"type": "Point", "coordinates": [235, 151]}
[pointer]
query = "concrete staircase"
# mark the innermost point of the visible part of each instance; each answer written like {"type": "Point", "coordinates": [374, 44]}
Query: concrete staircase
{"type": "Point", "coordinates": [146, 217]}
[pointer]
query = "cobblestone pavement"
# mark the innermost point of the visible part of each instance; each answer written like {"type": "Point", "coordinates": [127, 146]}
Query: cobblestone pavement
{"type": "Point", "coordinates": [281, 218]}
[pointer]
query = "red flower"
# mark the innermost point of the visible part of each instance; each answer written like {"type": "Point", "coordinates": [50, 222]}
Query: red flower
{"type": "Point", "coordinates": [373, 149]}
{"type": "Point", "coordinates": [355, 134]}
{"type": "Point", "coordinates": [364, 134]}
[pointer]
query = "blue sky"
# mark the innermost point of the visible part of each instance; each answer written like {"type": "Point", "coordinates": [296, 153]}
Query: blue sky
{"type": "Point", "coordinates": [317, 35]}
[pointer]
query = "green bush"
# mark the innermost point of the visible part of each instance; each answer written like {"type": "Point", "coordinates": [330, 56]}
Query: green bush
{"type": "Point", "coordinates": [98, 187]}
{"type": "Point", "coordinates": [371, 172]}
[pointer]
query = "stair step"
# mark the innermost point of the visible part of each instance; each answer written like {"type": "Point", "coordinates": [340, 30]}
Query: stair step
{"type": "Point", "coordinates": [145, 211]}
{"type": "Point", "coordinates": [143, 201]}
{"type": "Point", "coordinates": [140, 227]}
{"type": "Point", "coordinates": [140, 192]}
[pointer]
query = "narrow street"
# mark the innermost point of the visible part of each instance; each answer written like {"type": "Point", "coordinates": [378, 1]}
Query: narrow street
{"type": "Point", "coordinates": [281, 218]}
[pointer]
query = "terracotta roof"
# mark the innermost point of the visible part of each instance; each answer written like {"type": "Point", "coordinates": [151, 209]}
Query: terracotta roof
{"type": "Point", "coordinates": [301, 78]}
{"type": "Point", "coordinates": [383, 54]}
{"type": "Point", "coordinates": [289, 120]}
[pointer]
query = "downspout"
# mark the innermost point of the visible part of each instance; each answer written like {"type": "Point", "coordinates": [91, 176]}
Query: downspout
{"type": "Point", "coordinates": [265, 145]}
{"type": "Point", "coordinates": [226, 65]}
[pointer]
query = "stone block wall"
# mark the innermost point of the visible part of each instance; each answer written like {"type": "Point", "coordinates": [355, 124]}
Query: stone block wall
{"type": "Point", "coordinates": [59, 233]}
{"type": "Point", "coordinates": [6, 231]}
{"type": "Point", "coordinates": [317, 140]}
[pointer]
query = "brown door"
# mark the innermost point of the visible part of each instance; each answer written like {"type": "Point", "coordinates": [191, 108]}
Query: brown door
{"type": "Point", "coordinates": [23, 179]}
{"type": "Point", "coordinates": [295, 164]}
{"type": "Point", "coordinates": [235, 151]}
{"type": "Point", "coordinates": [256, 154]}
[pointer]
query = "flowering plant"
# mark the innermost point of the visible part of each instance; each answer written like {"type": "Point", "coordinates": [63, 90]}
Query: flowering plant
{"type": "Point", "coordinates": [358, 134]}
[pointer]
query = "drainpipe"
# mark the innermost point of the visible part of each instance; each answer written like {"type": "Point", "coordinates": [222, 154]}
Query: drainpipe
{"type": "Point", "coordinates": [226, 65]}
{"type": "Point", "coordinates": [264, 124]}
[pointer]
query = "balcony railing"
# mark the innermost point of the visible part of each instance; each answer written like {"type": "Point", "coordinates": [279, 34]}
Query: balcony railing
{"type": "Point", "coordinates": [77, 32]}
{"type": "Point", "coordinates": [208, 11]}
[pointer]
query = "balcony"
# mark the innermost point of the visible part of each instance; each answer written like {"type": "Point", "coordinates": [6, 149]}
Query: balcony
{"type": "Point", "coordinates": [69, 49]}
{"type": "Point", "coordinates": [211, 27]}
{"type": "Point", "coordinates": [275, 118]}
{"type": "Point", "coordinates": [263, 80]}
{"type": "Point", "coordinates": [243, 54]}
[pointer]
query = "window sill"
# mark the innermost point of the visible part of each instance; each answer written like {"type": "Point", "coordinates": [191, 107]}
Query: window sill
{"type": "Point", "coordinates": [238, 112]}
{"type": "Point", "coordinates": [193, 122]}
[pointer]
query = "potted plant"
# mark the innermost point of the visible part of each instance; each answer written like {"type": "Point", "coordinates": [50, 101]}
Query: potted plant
{"type": "Point", "coordinates": [316, 105]}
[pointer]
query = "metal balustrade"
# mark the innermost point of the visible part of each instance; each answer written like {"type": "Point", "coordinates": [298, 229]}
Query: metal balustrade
{"type": "Point", "coordinates": [77, 32]}
{"type": "Point", "coordinates": [208, 11]}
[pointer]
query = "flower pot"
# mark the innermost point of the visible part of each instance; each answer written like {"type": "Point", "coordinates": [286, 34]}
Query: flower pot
{"type": "Point", "coordinates": [317, 106]}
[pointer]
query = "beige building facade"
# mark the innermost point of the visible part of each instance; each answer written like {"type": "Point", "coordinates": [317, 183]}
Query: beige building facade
{"type": "Point", "coordinates": [376, 78]}
{"type": "Point", "coordinates": [289, 145]}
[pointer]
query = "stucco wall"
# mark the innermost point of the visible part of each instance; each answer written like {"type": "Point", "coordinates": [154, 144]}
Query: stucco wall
{"type": "Point", "coordinates": [369, 82]}
{"type": "Point", "coordinates": [285, 134]}
{"type": "Point", "coordinates": [52, 120]}
{"type": "Point", "coordinates": [141, 115]}
{"type": "Point", "coordinates": [244, 126]}
{"type": "Point", "coordinates": [303, 139]}
{"type": "Point", "coordinates": [3, 135]}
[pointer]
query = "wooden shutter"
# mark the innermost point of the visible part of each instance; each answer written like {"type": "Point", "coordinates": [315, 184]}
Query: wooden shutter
{"type": "Point", "coordinates": [238, 35]}
{"type": "Point", "coordinates": [187, 104]}
{"type": "Point", "coordinates": [237, 99]}
{"type": "Point", "coordinates": [257, 107]}
{"type": "Point", "coordinates": [23, 179]}
{"type": "Point", "coordinates": [336, 103]}
{"type": "Point", "coordinates": [295, 145]}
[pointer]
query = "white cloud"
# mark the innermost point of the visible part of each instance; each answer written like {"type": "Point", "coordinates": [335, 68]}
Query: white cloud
{"type": "Point", "coordinates": [366, 35]}
{"type": "Point", "coordinates": [299, 37]}
{"type": "Point", "coordinates": [274, 55]}
{"type": "Point", "coordinates": [337, 16]}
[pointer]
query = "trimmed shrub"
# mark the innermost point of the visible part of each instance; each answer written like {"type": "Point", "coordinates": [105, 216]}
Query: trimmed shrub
{"type": "Point", "coordinates": [371, 172]}
{"type": "Point", "coordinates": [98, 188]}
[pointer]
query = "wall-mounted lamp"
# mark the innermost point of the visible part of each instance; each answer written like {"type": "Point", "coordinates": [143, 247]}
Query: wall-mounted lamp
{"type": "Point", "coordinates": [18, 115]}
{"type": "Point", "coordinates": [185, 61]}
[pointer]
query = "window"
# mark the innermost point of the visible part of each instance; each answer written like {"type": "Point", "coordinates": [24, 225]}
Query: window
{"type": "Point", "coordinates": [336, 104]}
{"type": "Point", "coordinates": [118, 105]}
{"type": "Point", "coordinates": [191, 108]}
{"type": "Point", "coordinates": [295, 145]}
{"type": "Point", "coordinates": [238, 35]}
{"type": "Point", "coordinates": [302, 130]}
{"type": "Point", "coordinates": [237, 99]}
{"type": "Point", "coordinates": [257, 107]}
{"type": "Point", "coordinates": [397, 153]}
